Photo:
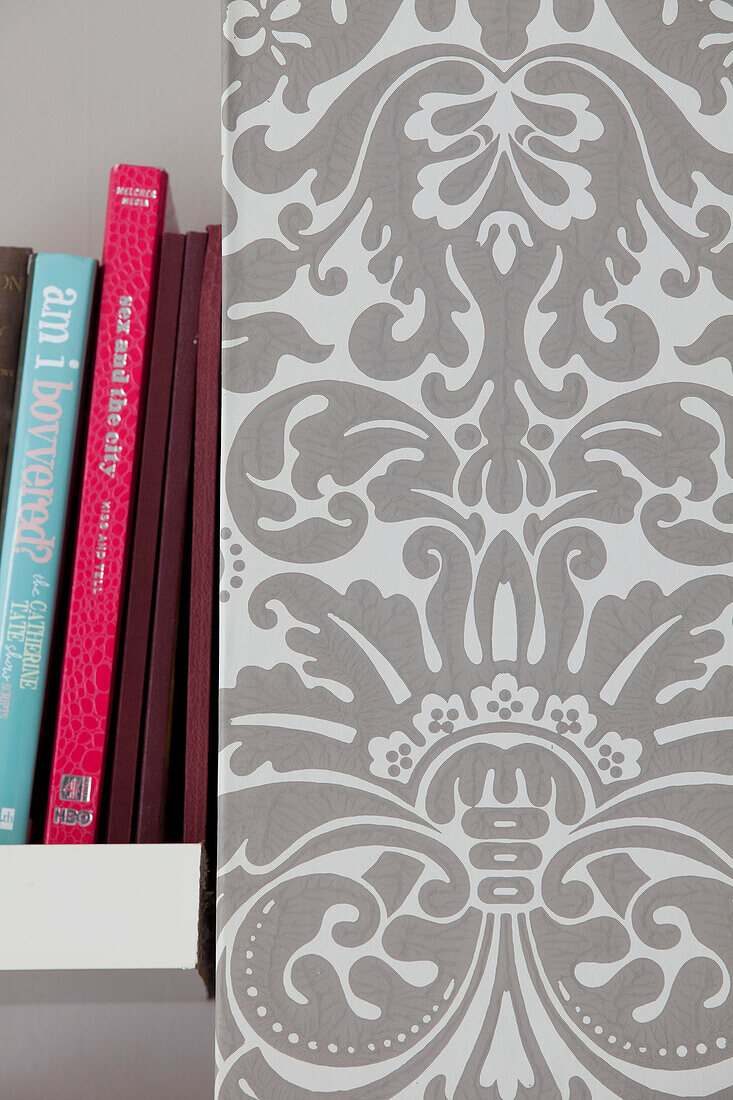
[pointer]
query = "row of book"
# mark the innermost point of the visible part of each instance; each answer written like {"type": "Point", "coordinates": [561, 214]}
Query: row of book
{"type": "Point", "coordinates": [109, 429]}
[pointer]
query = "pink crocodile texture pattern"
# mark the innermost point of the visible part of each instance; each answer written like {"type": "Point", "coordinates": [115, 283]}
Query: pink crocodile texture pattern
{"type": "Point", "coordinates": [135, 210]}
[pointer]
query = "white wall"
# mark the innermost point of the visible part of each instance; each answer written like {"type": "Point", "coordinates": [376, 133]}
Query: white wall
{"type": "Point", "coordinates": [85, 84]}
{"type": "Point", "coordinates": [107, 1052]}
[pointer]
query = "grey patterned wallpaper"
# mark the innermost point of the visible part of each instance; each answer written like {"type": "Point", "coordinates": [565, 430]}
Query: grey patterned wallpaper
{"type": "Point", "coordinates": [476, 591]}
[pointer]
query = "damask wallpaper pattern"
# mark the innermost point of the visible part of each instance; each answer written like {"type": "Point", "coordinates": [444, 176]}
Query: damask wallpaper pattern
{"type": "Point", "coordinates": [477, 497]}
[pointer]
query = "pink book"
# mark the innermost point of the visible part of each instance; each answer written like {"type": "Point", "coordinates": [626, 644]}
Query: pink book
{"type": "Point", "coordinates": [135, 213]}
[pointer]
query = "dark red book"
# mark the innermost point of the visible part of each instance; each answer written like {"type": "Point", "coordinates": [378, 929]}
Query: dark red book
{"type": "Point", "coordinates": [201, 680]}
{"type": "Point", "coordinates": [14, 265]}
{"type": "Point", "coordinates": [150, 825]}
{"type": "Point", "coordinates": [134, 647]}
{"type": "Point", "coordinates": [133, 231]}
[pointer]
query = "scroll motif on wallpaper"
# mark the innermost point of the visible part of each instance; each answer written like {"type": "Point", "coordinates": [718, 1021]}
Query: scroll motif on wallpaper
{"type": "Point", "coordinates": [476, 590]}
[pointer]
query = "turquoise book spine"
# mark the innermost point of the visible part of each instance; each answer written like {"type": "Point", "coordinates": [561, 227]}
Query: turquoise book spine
{"type": "Point", "coordinates": [53, 362]}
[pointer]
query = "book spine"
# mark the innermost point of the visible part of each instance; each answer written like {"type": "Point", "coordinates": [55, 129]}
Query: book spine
{"type": "Point", "coordinates": [154, 757]}
{"type": "Point", "coordinates": [135, 210]}
{"type": "Point", "coordinates": [47, 421]}
{"type": "Point", "coordinates": [200, 718]}
{"type": "Point", "coordinates": [133, 658]}
{"type": "Point", "coordinates": [14, 264]}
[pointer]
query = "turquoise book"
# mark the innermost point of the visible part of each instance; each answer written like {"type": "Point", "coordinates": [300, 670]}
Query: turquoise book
{"type": "Point", "coordinates": [53, 362]}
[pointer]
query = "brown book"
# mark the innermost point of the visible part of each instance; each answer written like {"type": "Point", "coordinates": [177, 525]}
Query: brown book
{"type": "Point", "coordinates": [14, 266]}
{"type": "Point", "coordinates": [134, 648]}
{"type": "Point", "coordinates": [200, 702]}
{"type": "Point", "coordinates": [151, 808]}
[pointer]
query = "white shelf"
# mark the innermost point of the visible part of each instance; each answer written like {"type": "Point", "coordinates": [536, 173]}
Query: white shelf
{"type": "Point", "coordinates": [102, 922]}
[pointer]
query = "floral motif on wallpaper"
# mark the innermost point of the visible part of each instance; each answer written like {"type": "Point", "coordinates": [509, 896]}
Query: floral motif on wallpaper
{"type": "Point", "coordinates": [477, 493]}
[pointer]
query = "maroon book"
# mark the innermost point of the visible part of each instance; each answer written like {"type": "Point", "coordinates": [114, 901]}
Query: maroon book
{"type": "Point", "coordinates": [150, 825]}
{"type": "Point", "coordinates": [200, 720]}
{"type": "Point", "coordinates": [134, 651]}
{"type": "Point", "coordinates": [14, 271]}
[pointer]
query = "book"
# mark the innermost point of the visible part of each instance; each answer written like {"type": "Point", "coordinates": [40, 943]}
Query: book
{"type": "Point", "coordinates": [164, 627]}
{"type": "Point", "coordinates": [143, 561]}
{"type": "Point", "coordinates": [14, 265]}
{"type": "Point", "coordinates": [171, 825]}
{"type": "Point", "coordinates": [37, 503]}
{"type": "Point", "coordinates": [135, 212]}
{"type": "Point", "coordinates": [200, 696]}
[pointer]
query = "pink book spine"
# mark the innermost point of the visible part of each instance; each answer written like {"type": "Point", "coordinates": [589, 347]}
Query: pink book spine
{"type": "Point", "coordinates": [135, 212]}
